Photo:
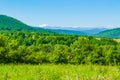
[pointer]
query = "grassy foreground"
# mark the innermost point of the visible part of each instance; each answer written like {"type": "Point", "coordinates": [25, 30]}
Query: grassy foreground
{"type": "Point", "coordinates": [59, 72]}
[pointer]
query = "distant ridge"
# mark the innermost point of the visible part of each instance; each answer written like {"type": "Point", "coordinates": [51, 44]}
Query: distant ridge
{"type": "Point", "coordinates": [77, 30]}
{"type": "Point", "coordinates": [71, 32]}
{"type": "Point", "coordinates": [112, 33]}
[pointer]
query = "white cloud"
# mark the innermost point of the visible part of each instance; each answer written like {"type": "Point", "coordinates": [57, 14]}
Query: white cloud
{"type": "Point", "coordinates": [111, 26]}
{"type": "Point", "coordinates": [43, 25]}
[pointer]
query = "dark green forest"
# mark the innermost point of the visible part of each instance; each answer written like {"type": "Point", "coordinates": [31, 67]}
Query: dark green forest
{"type": "Point", "coordinates": [35, 48]}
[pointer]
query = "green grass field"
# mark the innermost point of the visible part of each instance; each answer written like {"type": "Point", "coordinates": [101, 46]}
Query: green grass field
{"type": "Point", "coordinates": [59, 72]}
{"type": "Point", "coordinates": [118, 40]}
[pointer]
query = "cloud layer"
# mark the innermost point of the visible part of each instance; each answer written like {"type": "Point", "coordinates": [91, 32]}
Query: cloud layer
{"type": "Point", "coordinates": [43, 25]}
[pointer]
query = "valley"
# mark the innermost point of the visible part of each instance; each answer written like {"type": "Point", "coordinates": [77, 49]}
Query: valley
{"type": "Point", "coordinates": [59, 39]}
{"type": "Point", "coordinates": [55, 54]}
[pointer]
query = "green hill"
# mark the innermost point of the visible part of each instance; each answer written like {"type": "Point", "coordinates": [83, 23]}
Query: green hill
{"type": "Point", "coordinates": [112, 33]}
{"type": "Point", "coordinates": [11, 24]}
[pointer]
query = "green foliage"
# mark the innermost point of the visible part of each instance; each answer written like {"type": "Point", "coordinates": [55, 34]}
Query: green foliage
{"type": "Point", "coordinates": [35, 48]}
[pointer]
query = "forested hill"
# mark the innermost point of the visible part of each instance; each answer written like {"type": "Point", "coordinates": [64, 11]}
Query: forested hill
{"type": "Point", "coordinates": [113, 33]}
{"type": "Point", "coordinates": [11, 24]}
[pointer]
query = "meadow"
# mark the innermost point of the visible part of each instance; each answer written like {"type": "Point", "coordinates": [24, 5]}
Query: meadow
{"type": "Point", "coordinates": [58, 72]}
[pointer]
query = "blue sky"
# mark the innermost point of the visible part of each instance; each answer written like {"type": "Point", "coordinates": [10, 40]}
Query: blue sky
{"type": "Point", "coordinates": [82, 13]}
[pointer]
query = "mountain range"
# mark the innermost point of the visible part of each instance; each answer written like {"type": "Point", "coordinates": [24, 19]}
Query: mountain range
{"type": "Point", "coordinates": [76, 30]}
{"type": "Point", "coordinates": [11, 24]}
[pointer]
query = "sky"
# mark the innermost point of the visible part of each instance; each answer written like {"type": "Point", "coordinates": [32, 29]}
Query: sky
{"type": "Point", "coordinates": [67, 13]}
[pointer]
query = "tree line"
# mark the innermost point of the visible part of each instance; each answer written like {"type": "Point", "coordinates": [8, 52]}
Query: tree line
{"type": "Point", "coordinates": [36, 48]}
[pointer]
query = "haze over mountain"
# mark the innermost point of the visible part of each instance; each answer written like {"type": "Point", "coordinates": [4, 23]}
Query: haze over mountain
{"type": "Point", "coordinates": [92, 31]}
{"type": "Point", "coordinates": [74, 30]}
{"type": "Point", "coordinates": [65, 31]}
